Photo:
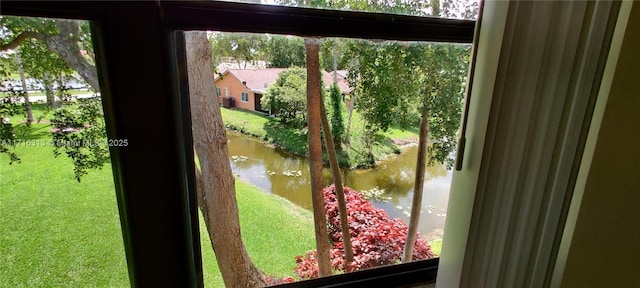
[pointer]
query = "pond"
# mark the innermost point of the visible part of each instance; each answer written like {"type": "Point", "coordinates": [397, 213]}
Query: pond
{"type": "Point", "coordinates": [276, 171]}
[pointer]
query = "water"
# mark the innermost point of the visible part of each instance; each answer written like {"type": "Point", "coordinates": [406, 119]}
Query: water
{"type": "Point", "coordinates": [286, 175]}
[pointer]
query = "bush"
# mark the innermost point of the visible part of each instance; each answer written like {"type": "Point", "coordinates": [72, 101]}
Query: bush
{"type": "Point", "coordinates": [287, 97]}
{"type": "Point", "coordinates": [337, 121]}
{"type": "Point", "coordinates": [376, 239]}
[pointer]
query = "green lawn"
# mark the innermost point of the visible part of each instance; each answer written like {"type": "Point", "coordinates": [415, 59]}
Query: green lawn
{"type": "Point", "coordinates": [274, 231]}
{"type": "Point", "coordinates": [295, 140]}
{"type": "Point", "coordinates": [55, 231]}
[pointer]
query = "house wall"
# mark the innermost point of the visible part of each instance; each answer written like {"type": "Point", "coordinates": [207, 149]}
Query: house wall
{"type": "Point", "coordinates": [605, 248]}
{"type": "Point", "coordinates": [235, 87]}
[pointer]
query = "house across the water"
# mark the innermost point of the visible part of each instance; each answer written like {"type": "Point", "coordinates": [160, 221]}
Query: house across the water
{"type": "Point", "coordinates": [247, 86]}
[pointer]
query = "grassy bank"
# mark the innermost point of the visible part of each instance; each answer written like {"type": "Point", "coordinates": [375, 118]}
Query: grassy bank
{"type": "Point", "coordinates": [274, 231]}
{"type": "Point", "coordinates": [55, 231]}
{"type": "Point", "coordinates": [295, 140]}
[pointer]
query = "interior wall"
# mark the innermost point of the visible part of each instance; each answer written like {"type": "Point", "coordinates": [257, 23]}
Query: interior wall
{"type": "Point", "coordinates": [605, 247]}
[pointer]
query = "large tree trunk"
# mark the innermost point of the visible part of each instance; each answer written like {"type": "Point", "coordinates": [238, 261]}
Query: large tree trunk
{"type": "Point", "coordinates": [23, 80]}
{"type": "Point", "coordinates": [418, 186]}
{"type": "Point", "coordinates": [337, 181]}
{"type": "Point", "coordinates": [66, 46]}
{"type": "Point", "coordinates": [314, 99]}
{"type": "Point", "coordinates": [216, 185]}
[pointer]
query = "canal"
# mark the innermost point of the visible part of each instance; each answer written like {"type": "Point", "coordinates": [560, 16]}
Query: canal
{"type": "Point", "coordinates": [276, 171]}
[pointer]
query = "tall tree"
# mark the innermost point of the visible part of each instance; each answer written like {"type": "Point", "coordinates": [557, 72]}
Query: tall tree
{"type": "Point", "coordinates": [402, 81]}
{"type": "Point", "coordinates": [23, 81]}
{"type": "Point", "coordinates": [332, 54]}
{"type": "Point", "coordinates": [444, 68]}
{"type": "Point", "coordinates": [314, 102]}
{"type": "Point", "coordinates": [66, 38]}
{"type": "Point", "coordinates": [286, 97]}
{"type": "Point", "coordinates": [285, 52]}
{"type": "Point", "coordinates": [216, 185]}
{"type": "Point", "coordinates": [45, 66]}
{"type": "Point", "coordinates": [243, 47]}
{"type": "Point", "coordinates": [337, 181]}
{"type": "Point", "coordinates": [337, 121]}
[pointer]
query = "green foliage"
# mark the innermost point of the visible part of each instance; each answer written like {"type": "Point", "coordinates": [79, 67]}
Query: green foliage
{"type": "Point", "coordinates": [285, 52]}
{"type": "Point", "coordinates": [79, 131]}
{"type": "Point", "coordinates": [73, 239]}
{"type": "Point", "coordinates": [294, 140]}
{"type": "Point", "coordinates": [384, 84]}
{"type": "Point", "coordinates": [14, 25]}
{"type": "Point", "coordinates": [327, 47]}
{"type": "Point", "coordinates": [10, 105]}
{"type": "Point", "coordinates": [287, 97]}
{"type": "Point", "coordinates": [241, 46]}
{"type": "Point", "coordinates": [7, 66]}
{"type": "Point", "coordinates": [37, 60]}
{"type": "Point", "coordinates": [337, 120]}
{"type": "Point", "coordinates": [398, 82]}
{"type": "Point", "coordinates": [42, 64]}
{"type": "Point", "coordinates": [395, 83]}
{"type": "Point", "coordinates": [445, 70]}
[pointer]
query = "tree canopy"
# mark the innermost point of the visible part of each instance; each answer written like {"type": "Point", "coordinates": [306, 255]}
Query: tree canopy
{"type": "Point", "coordinates": [68, 39]}
{"type": "Point", "coordinates": [285, 52]}
{"type": "Point", "coordinates": [243, 47]}
{"type": "Point", "coordinates": [286, 97]}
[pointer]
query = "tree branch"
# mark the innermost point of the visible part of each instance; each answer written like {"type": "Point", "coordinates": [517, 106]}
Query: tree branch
{"type": "Point", "coordinates": [21, 38]}
{"type": "Point", "coordinates": [69, 28]}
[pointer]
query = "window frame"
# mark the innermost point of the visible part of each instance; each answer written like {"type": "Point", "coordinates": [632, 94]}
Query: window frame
{"type": "Point", "coordinates": [157, 203]}
{"type": "Point", "coordinates": [244, 95]}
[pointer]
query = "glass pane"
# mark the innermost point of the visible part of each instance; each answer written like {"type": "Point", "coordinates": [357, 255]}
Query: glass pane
{"type": "Point", "coordinates": [382, 88]}
{"type": "Point", "coordinates": [452, 9]}
{"type": "Point", "coordinates": [59, 222]}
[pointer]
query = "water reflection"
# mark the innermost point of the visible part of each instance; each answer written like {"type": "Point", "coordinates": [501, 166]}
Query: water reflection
{"type": "Point", "coordinates": [278, 172]}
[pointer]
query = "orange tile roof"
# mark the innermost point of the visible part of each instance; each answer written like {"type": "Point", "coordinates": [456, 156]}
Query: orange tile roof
{"type": "Point", "coordinates": [259, 79]}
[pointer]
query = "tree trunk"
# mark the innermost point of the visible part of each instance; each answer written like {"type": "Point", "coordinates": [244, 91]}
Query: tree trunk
{"type": "Point", "coordinates": [335, 63]}
{"type": "Point", "coordinates": [337, 181]}
{"type": "Point", "coordinates": [66, 46]}
{"type": "Point", "coordinates": [314, 100]}
{"type": "Point", "coordinates": [23, 80]}
{"type": "Point", "coordinates": [418, 186]}
{"type": "Point", "coordinates": [48, 90]}
{"type": "Point", "coordinates": [216, 185]}
{"type": "Point", "coordinates": [352, 100]}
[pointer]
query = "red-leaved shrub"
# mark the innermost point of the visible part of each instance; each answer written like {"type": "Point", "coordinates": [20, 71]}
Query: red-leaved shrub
{"type": "Point", "coordinates": [376, 239]}
{"type": "Point", "coordinates": [271, 281]}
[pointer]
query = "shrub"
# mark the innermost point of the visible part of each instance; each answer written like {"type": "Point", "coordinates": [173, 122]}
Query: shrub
{"type": "Point", "coordinates": [337, 121]}
{"type": "Point", "coordinates": [287, 97]}
{"type": "Point", "coordinates": [376, 239]}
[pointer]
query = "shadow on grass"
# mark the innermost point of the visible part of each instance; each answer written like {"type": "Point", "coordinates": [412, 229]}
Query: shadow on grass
{"type": "Point", "coordinates": [36, 131]}
{"type": "Point", "coordinates": [387, 144]}
{"type": "Point", "coordinates": [290, 139]}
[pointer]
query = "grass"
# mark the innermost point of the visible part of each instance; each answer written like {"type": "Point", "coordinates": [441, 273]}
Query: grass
{"type": "Point", "coordinates": [273, 229]}
{"type": "Point", "coordinates": [436, 246]}
{"type": "Point", "coordinates": [55, 231]}
{"type": "Point", "coordinates": [295, 140]}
